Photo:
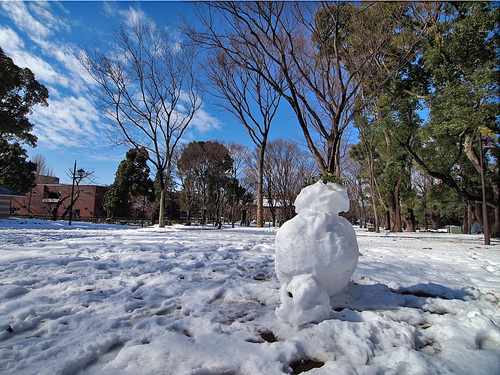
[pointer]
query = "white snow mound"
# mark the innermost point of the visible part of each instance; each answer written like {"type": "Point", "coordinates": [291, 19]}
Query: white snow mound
{"type": "Point", "coordinates": [303, 301]}
{"type": "Point", "coordinates": [319, 197]}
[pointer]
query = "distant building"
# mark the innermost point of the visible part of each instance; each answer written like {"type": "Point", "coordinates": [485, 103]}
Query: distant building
{"type": "Point", "coordinates": [52, 201]}
{"type": "Point", "coordinates": [6, 196]}
{"type": "Point", "coordinates": [41, 179]}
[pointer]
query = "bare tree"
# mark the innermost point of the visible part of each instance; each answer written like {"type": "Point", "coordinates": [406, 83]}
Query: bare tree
{"type": "Point", "coordinates": [286, 171]}
{"type": "Point", "coordinates": [334, 57]}
{"type": "Point", "coordinates": [239, 154]}
{"type": "Point", "coordinates": [252, 100]}
{"type": "Point", "coordinates": [42, 167]}
{"type": "Point", "coordinates": [147, 85]}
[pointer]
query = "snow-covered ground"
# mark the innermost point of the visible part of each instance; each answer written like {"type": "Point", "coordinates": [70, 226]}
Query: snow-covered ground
{"type": "Point", "coordinates": [96, 299]}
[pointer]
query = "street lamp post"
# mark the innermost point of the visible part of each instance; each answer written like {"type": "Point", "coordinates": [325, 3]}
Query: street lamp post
{"type": "Point", "coordinates": [80, 172]}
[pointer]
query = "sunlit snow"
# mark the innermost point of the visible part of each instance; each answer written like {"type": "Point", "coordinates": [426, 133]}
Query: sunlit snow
{"type": "Point", "coordinates": [96, 299]}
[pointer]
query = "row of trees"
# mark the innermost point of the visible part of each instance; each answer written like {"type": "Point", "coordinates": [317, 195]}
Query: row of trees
{"type": "Point", "coordinates": [215, 181]}
{"type": "Point", "coordinates": [417, 167]}
{"type": "Point", "coordinates": [418, 80]}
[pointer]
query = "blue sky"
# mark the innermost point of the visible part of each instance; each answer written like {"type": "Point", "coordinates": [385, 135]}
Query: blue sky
{"type": "Point", "coordinates": [46, 36]}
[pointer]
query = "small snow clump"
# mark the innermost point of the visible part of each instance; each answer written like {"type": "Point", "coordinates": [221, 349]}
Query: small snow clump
{"type": "Point", "coordinates": [303, 301]}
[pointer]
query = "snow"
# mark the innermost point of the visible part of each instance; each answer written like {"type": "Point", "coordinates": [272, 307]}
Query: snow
{"type": "Point", "coordinates": [303, 301]}
{"type": "Point", "coordinates": [318, 241]}
{"type": "Point", "coordinates": [322, 197]}
{"type": "Point", "coordinates": [98, 299]}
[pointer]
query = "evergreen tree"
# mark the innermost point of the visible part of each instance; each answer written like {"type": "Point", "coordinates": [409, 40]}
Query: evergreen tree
{"type": "Point", "coordinates": [16, 172]}
{"type": "Point", "coordinates": [131, 180]}
{"type": "Point", "coordinates": [207, 164]}
{"type": "Point", "coordinates": [460, 63]}
{"type": "Point", "coordinates": [19, 92]}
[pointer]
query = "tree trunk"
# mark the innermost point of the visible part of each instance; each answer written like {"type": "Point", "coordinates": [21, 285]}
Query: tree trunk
{"type": "Point", "coordinates": [218, 223]}
{"type": "Point", "coordinates": [478, 213]}
{"type": "Point", "coordinates": [203, 216]}
{"type": "Point", "coordinates": [260, 188]}
{"type": "Point", "coordinates": [466, 223]}
{"type": "Point", "coordinates": [410, 221]}
{"type": "Point", "coordinates": [373, 191]}
{"type": "Point", "coordinates": [362, 223]}
{"type": "Point", "coordinates": [435, 218]}
{"type": "Point", "coordinates": [395, 207]}
{"type": "Point", "coordinates": [161, 216]}
{"type": "Point", "coordinates": [69, 209]}
{"type": "Point", "coordinates": [495, 229]}
{"type": "Point", "coordinates": [272, 210]}
{"type": "Point", "coordinates": [395, 215]}
{"type": "Point", "coordinates": [188, 214]}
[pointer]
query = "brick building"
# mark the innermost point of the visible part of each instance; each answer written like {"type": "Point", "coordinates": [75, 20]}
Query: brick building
{"type": "Point", "coordinates": [51, 200]}
{"type": "Point", "coordinates": [6, 196]}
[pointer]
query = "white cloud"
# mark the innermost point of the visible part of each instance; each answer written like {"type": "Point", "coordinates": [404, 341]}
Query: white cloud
{"type": "Point", "coordinates": [13, 46]}
{"type": "Point", "coordinates": [203, 122]}
{"type": "Point", "coordinates": [67, 122]}
{"type": "Point", "coordinates": [10, 40]}
{"type": "Point", "coordinates": [130, 15]}
{"type": "Point", "coordinates": [41, 9]}
{"type": "Point", "coordinates": [77, 77]}
{"type": "Point", "coordinates": [19, 13]}
{"type": "Point", "coordinates": [71, 120]}
{"type": "Point", "coordinates": [40, 30]}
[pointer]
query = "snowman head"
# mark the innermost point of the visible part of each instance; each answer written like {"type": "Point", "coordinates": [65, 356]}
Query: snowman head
{"type": "Point", "coordinates": [303, 300]}
{"type": "Point", "coordinates": [322, 197]}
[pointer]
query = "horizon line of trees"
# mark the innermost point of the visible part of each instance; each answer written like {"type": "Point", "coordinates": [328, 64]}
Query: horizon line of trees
{"type": "Point", "coordinates": [419, 82]}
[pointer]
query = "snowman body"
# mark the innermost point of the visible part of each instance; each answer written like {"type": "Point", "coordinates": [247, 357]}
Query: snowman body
{"type": "Point", "coordinates": [317, 242]}
{"type": "Point", "coordinates": [324, 245]}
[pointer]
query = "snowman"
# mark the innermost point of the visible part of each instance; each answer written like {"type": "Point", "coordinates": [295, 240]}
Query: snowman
{"type": "Point", "coordinates": [316, 254]}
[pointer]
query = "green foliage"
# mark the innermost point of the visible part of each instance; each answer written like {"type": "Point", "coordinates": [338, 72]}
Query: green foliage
{"type": "Point", "coordinates": [15, 171]}
{"type": "Point", "coordinates": [325, 177]}
{"type": "Point", "coordinates": [443, 202]}
{"type": "Point", "coordinates": [204, 168]}
{"type": "Point", "coordinates": [19, 92]}
{"type": "Point", "coordinates": [462, 58]}
{"type": "Point", "coordinates": [116, 200]}
{"type": "Point", "coordinates": [456, 81]}
{"type": "Point", "coordinates": [131, 180]}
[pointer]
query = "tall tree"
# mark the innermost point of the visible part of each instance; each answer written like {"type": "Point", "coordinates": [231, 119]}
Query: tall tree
{"type": "Point", "coordinates": [16, 172]}
{"type": "Point", "coordinates": [148, 84]}
{"type": "Point", "coordinates": [460, 58]}
{"type": "Point", "coordinates": [131, 180]}
{"type": "Point", "coordinates": [19, 92]}
{"type": "Point", "coordinates": [252, 100]}
{"type": "Point", "coordinates": [208, 165]}
{"type": "Point", "coordinates": [287, 167]}
{"type": "Point", "coordinates": [237, 193]}
{"type": "Point", "coordinates": [325, 52]}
